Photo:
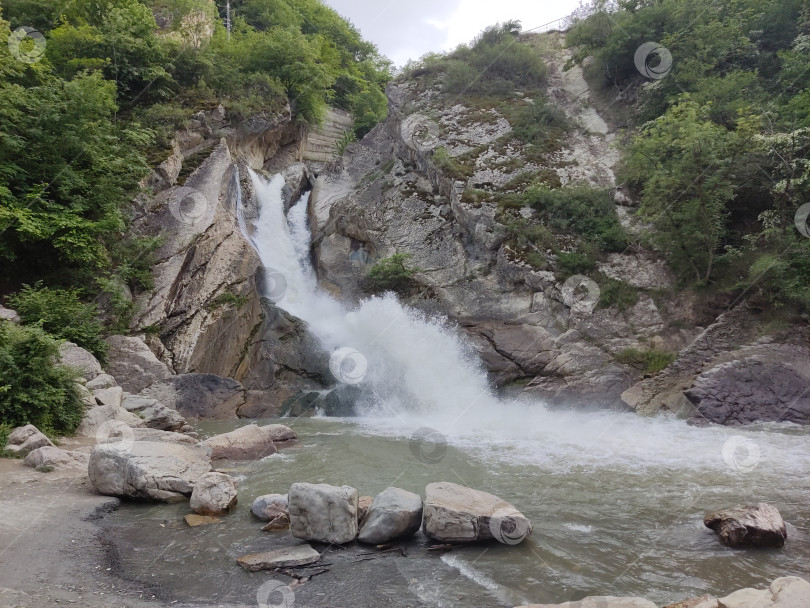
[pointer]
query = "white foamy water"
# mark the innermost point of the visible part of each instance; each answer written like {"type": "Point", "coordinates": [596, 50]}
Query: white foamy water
{"type": "Point", "coordinates": [422, 373]}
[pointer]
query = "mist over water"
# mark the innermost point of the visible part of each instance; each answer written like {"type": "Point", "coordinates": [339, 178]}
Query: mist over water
{"type": "Point", "coordinates": [421, 373]}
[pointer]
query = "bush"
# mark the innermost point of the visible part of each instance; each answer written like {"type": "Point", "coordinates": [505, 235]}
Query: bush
{"type": "Point", "coordinates": [34, 389]}
{"type": "Point", "coordinates": [649, 361]}
{"type": "Point", "coordinates": [61, 313]}
{"type": "Point", "coordinates": [616, 294]}
{"type": "Point", "coordinates": [582, 211]}
{"type": "Point", "coordinates": [391, 274]}
{"type": "Point", "coordinates": [540, 125]}
{"type": "Point", "coordinates": [576, 262]}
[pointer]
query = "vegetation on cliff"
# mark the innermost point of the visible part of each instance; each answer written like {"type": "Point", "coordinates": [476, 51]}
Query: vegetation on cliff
{"type": "Point", "coordinates": [718, 145]}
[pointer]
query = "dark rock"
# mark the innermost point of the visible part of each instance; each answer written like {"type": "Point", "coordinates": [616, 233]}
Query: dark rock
{"type": "Point", "coordinates": [199, 395]}
{"type": "Point", "coordinates": [752, 390]}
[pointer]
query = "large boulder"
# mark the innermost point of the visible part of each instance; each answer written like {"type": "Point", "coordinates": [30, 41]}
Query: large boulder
{"type": "Point", "coordinates": [456, 514]}
{"type": "Point", "coordinates": [250, 442]}
{"type": "Point", "coordinates": [758, 525]}
{"type": "Point", "coordinates": [323, 513]}
{"type": "Point", "coordinates": [144, 434]}
{"type": "Point", "coordinates": [100, 382]}
{"type": "Point", "coordinates": [148, 470]}
{"type": "Point", "coordinates": [75, 357]}
{"type": "Point", "coordinates": [213, 494]}
{"type": "Point", "coordinates": [133, 364]}
{"type": "Point", "coordinates": [106, 417]}
{"type": "Point", "coordinates": [56, 458]}
{"type": "Point", "coordinates": [113, 395]}
{"type": "Point", "coordinates": [601, 601]}
{"type": "Point", "coordinates": [25, 439]}
{"type": "Point", "coordinates": [394, 513]}
{"type": "Point", "coordinates": [199, 395]}
{"type": "Point", "coordinates": [6, 314]}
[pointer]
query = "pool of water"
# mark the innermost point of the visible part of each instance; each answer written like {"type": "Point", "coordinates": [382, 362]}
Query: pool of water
{"type": "Point", "coordinates": [617, 504]}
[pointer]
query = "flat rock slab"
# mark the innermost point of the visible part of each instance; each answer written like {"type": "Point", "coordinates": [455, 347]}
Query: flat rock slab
{"type": "Point", "coordinates": [758, 525]}
{"type": "Point", "coordinates": [194, 520]}
{"type": "Point", "coordinates": [299, 555]}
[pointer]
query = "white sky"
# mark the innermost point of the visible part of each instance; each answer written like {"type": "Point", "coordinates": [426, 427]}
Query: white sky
{"type": "Point", "coordinates": [407, 29]}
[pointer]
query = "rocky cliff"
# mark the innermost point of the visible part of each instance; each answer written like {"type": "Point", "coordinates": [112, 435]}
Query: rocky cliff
{"type": "Point", "coordinates": [427, 182]}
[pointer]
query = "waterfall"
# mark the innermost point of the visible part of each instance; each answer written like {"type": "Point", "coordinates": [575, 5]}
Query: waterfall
{"type": "Point", "coordinates": [415, 373]}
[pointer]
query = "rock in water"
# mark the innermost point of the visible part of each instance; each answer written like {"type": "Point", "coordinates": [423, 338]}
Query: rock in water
{"type": "Point", "coordinates": [147, 469]}
{"type": "Point", "coordinates": [299, 555]}
{"type": "Point", "coordinates": [194, 520]}
{"type": "Point", "coordinates": [704, 601]}
{"type": "Point", "coordinates": [250, 442]}
{"type": "Point", "coordinates": [26, 439]}
{"type": "Point", "coordinates": [323, 513]}
{"type": "Point", "coordinates": [393, 514]}
{"type": "Point", "coordinates": [213, 494]}
{"type": "Point", "coordinates": [759, 525]}
{"type": "Point", "coordinates": [266, 506]}
{"type": "Point", "coordinates": [455, 514]}
{"type": "Point", "coordinates": [602, 601]}
{"type": "Point", "coordinates": [785, 592]}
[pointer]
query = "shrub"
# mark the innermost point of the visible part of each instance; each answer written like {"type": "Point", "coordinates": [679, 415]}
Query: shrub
{"type": "Point", "coordinates": [62, 314]}
{"type": "Point", "coordinates": [391, 274]}
{"type": "Point", "coordinates": [540, 125]}
{"type": "Point", "coordinates": [616, 294]}
{"type": "Point", "coordinates": [649, 361]}
{"type": "Point", "coordinates": [34, 389]}
{"type": "Point", "coordinates": [576, 262]}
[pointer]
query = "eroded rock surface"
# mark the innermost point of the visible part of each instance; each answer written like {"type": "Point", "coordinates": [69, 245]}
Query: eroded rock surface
{"type": "Point", "coordinates": [758, 525]}
{"type": "Point", "coordinates": [323, 513]}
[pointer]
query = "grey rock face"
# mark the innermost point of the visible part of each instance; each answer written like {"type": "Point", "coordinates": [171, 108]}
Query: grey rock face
{"type": "Point", "coordinates": [754, 389]}
{"type": "Point", "coordinates": [758, 525]}
{"type": "Point", "coordinates": [96, 417]}
{"type": "Point", "coordinates": [147, 470]}
{"type": "Point", "coordinates": [205, 396]}
{"type": "Point", "coordinates": [79, 359]}
{"type": "Point", "coordinates": [455, 514]}
{"type": "Point", "coordinates": [133, 364]}
{"type": "Point", "coordinates": [25, 439]}
{"type": "Point", "coordinates": [394, 513]}
{"type": "Point", "coordinates": [323, 513]}
{"type": "Point", "coordinates": [213, 494]}
{"type": "Point", "coordinates": [6, 314]}
{"type": "Point", "coordinates": [154, 414]}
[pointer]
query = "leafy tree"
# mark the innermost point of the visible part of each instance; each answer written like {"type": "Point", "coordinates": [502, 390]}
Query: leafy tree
{"type": "Point", "coordinates": [391, 274]}
{"type": "Point", "coordinates": [34, 389]}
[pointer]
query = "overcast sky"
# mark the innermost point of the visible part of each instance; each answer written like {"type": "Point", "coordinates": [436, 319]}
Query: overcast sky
{"type": "Point", "coordinates": [407, 29]}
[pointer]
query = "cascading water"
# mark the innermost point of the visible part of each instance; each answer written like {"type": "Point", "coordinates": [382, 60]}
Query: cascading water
{"type": "Point", "coordinates": [419, 373]}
